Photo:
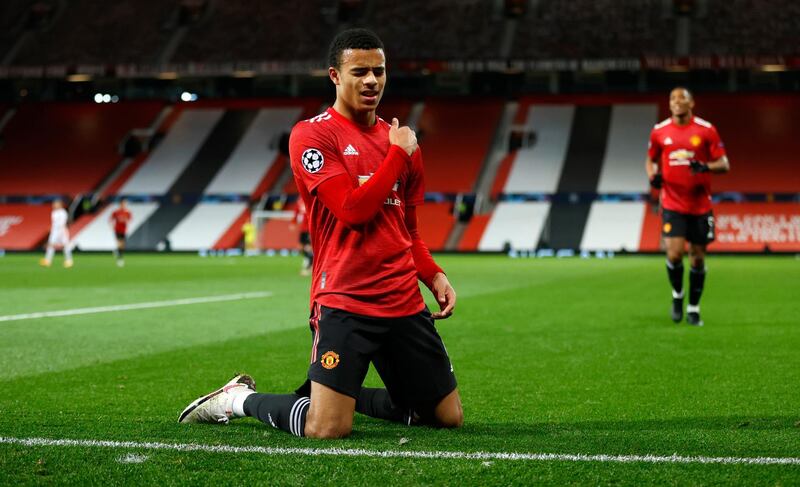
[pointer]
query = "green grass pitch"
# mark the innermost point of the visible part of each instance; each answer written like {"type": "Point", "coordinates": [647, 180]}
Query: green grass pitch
{"type": "Point", "coordinates": [565, 356]}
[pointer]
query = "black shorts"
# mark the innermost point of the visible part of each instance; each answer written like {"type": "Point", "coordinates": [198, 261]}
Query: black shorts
{"type": "Point", "coordinates": [407, 353]}
{"type": "Point", "coordinates": [305, 238]}
{"type": "Point", "coordinates": [697, 229]}
{"type": "Point", "coordinates": [120, 235]}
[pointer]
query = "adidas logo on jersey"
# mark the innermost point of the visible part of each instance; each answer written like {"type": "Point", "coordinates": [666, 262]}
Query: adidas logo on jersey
{"type": "Point", "coordinates": [350, 150]}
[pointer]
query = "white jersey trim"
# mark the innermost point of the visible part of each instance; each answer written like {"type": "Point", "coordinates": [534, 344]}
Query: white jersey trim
{"type": "Point", "coordinates": [322, 117]}
{"type": "Point", "coordinates": [663, 123]}
{"type": "Point", "coordinates": [704, 123]}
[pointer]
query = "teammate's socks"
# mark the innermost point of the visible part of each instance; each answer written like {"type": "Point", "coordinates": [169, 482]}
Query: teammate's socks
{"type": "Point", "coordinates": [376, 403]}
{"type": "Point", "coordinates": [697, 279]}
{"type": "Point", "coordinates": [675, 275]}
{"type": "Point", "coordinates": [283, 411]}
{"type": "Point", "coordinates": [48, 256]}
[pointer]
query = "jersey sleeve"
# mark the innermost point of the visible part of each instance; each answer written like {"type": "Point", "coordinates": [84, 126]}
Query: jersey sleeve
{"type": "Point", "coordinates": [423, 260]}
{"type": "Point", "coordinates": [654, 147]}
{"type": "Point", "coordinates": [313, 156]}
{"type": "Point", "coordinates": [415, 187]}
{"type": "Point", "coordinates": [716, 148]}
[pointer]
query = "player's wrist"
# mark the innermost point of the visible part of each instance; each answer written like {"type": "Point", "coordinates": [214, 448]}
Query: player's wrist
{"type": "Point", "coordinates": [431, 279]}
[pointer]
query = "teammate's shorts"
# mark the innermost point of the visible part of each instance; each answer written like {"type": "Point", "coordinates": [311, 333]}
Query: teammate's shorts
{"type": "Point", "coordinates": [697, 229]}
{"type": "Point", "coordinates": [407, 353]}
{"type": "Point", "coordinates": [305, 238]}
{"type": "Point", "coordinates": [58, 238]}
{"type": "Point", "coordinates": [120, 235]}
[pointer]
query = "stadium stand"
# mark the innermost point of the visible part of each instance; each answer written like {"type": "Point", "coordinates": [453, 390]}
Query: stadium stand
{"type": "Point", "coordinates": [22, 226]}
{"type": "Point", "coordinates": [435, 221]}
{"type": "Point", "coordinates": [90, 32]}
{"type": "Point", "coordinates": [204, 225]}
{"type": "Point", "coordinates": [96, 32]}
{"type": "Point", "coordinates": [174, 154]}
{"type": "Point", "coordinates": [755, 128]}
{"type": "Point", "coordinates": [514, 225]}
{"type": "Point", "coordinates": [471, 237]}
{"type": "Point", "coordinates": [253, 30]}
{"type": "Point", "coordinates": [225, 149]}
{"type": "Point", "coordinates": [257, 150]}
{"type": "Point", "coordinates": [746, 27]}
{"type": "Point", "coordinates": [586, 145]}
{"type": "Point", "coordinates": [627, 140]}
{"type": "Point", "coordinates": [613, 226]}
{"type": "Point", "coordinates": [66, 148]}
{"type": "Point", "coordinates": [538, 168]}
{"type": "Point", "coordinates": [603, 28]}
{"type": "Point", "coordinates": [427, 30]}
{"type": "Point", "coordinates": [760, 134]}
{"type": "Point", "coordinates": [13, 16]}
{"type": "Point", "coordinates": [456, 138]}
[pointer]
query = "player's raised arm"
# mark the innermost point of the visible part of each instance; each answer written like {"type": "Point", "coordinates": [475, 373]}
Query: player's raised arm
{"type": "Point", "coordinates": [357, 205]}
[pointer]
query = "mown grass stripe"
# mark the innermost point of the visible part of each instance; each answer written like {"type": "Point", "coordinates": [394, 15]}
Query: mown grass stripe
{"type": "Point", "coordinates": [127, 307]}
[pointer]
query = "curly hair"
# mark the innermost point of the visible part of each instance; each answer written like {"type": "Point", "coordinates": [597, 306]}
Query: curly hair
{"type": "Point", "coordinates": [351, 39]}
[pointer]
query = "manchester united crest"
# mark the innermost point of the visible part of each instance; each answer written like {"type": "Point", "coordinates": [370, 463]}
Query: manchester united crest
{"type": "Point", "coordinates": [329, 360]}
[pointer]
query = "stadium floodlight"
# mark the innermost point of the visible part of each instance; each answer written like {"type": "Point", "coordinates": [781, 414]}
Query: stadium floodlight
{"type": "Point", "coordinates": [98, 98]}
{"type": "Point", "coordinates": [114, 99]}
{"type": "Point", "coordinates": [79, 78]}
{"type": "Point", "coordinates": [106, 98]}
{"type": "Point", "coordinates": [186, 96]}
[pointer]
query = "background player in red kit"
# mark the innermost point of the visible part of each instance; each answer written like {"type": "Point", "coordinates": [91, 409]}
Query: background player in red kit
{"type": "Point", "coordinates": [119, 220]}
{"type": "Point", "coordinates": [300, 220]}
{"type": "Point", "coordinates": [683, 152]}
{"type": "Point", "coordinates": [361, 179]}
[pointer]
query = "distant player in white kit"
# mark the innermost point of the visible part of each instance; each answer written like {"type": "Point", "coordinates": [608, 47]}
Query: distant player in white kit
{"type": "Point", "coordinates": [59, 235]}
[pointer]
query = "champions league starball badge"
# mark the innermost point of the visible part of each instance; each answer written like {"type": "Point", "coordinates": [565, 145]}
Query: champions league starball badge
{"type": "Point", "coordinates": [312, 160]}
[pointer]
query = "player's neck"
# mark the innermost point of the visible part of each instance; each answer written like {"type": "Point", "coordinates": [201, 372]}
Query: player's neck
{"type": "Point", "coordinates": [682, 119]}
{"type": "Point", "coordinates": [363, 118]}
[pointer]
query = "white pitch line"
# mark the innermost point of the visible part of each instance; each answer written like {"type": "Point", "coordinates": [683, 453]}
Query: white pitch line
{"type": "Point", "coordinates": [435, 455]}
{"type": "Point", "coordinates": [126, 307]}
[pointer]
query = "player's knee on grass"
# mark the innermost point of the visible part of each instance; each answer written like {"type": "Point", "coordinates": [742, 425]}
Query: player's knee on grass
{"type": "Point", "coordinates": [448, 412]}
{"type": "Point", "coordinates": [330, 414]}
{"type": "Point", "coordinates": [327, 428]}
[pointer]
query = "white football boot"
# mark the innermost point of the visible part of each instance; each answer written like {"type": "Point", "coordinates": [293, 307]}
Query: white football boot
{"type": "Point", "coordinates": [216, 407]}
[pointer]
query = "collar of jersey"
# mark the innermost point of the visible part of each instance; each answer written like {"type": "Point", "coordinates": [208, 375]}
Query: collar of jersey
{"type": "Point", "coordinates": [346, 120]}
{"type": "Point", "coordinates": [681, 127]}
